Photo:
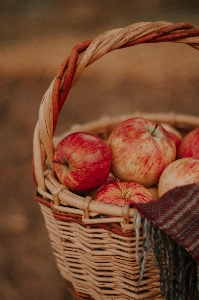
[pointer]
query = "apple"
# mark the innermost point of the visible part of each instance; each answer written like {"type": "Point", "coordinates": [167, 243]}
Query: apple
{"type": "Point", "coordinates": [171, 129]}
{"type": "Point", "coordinates": [176, 140]}
{"type": "Point", "coordinates": [174, 134]}
{"type": "Point", "coordinates": [189, 146]}
{"type": "Point", "coordinates": [180, 172]}
{"type": "Point", "coordinates": [82, 162]}
{"type": "Point", "coordinates": [121, 192]}
{"type": "Point", "coordinates": [92, 194]}
{"type": "Point", "coordinates": [140, 150]}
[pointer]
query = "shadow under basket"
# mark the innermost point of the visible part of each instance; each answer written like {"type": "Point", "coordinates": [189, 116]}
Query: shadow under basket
{"type": "Point", "coordinates": [97, 246]}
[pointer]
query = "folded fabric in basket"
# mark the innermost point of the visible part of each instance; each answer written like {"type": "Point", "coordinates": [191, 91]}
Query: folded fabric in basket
{"type": "Point", "coordinates": [177, 214]}
{"type": "Point", "coordinates": [172, 222]}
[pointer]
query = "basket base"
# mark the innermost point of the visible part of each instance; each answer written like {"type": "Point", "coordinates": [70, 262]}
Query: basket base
{"type": "Point", "coordinates": [80, 296]}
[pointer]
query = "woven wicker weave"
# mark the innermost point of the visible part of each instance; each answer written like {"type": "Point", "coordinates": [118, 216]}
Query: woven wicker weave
{"type": "Point", "coordinates": [97, 256]}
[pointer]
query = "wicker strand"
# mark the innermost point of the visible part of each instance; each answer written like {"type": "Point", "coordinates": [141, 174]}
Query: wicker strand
{"type": "Point", "coordinates": [114, 41]}
{"type": "Point", "coordinates": [64, 79]}
{"type": "Point", "coordinates": [135, 34]}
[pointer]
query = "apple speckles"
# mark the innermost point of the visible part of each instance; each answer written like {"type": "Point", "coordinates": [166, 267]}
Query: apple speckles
{"type": "Point", "coordinates": [189, 146]}
{"type": "Point", "coordinates": [180, 172]}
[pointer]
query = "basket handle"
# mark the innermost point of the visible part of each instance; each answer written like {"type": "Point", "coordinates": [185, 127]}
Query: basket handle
{"type": "Point", "coordinates": [83, 55]}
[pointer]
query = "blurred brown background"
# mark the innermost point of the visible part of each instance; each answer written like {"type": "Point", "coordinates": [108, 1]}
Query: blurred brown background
{"type": "Point", "coordinates": [36, 36]}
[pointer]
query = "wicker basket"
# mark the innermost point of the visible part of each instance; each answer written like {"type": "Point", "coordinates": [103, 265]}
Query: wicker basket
{"type": "Point", "coordinates": [97, 256]}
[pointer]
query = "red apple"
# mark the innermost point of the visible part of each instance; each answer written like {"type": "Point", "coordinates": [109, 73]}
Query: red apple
{"type": "Point", "coordinates": [189, 146]}
{"type": "Point", "coordinates": [82, 162]}
{"type": "Point", "coordinates": [140, 150]}
{"type": "Point", "coordinates": [180, 172]}
{"type": "Point", "coordinates": [92, 194]}
{"type": "Point", "coordinates": [120, 193]}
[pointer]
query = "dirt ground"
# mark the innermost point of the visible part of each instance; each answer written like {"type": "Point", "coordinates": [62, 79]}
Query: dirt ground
{"type": "Point", "coordinates": [36, 36]}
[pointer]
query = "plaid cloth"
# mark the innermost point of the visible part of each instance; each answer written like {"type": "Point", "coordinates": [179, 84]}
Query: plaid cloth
{"type": "Point", "coordinates": [177, 214]}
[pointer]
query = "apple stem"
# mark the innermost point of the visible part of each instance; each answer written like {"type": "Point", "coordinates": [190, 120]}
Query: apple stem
{"type": "Point", "coordinates": [153, 132]}
{"type": "Point", "coordinates": [120, 187]}
{"type": "Point", "coordinates": [125, 195]}
{"type": "Point", "coordinates": [128, 194]}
